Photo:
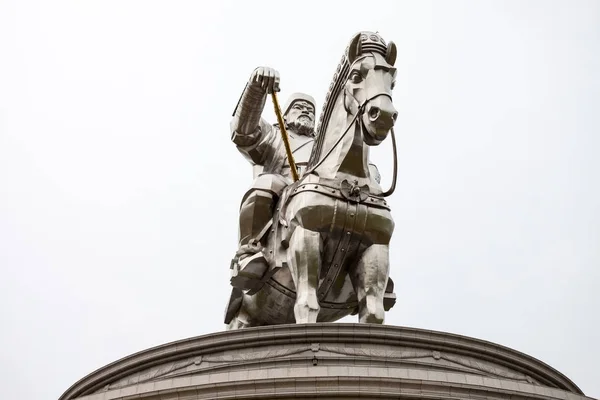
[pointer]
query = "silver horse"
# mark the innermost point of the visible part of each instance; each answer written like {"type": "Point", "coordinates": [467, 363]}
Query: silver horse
{"type": "Point", "coordinates": [328, 245]}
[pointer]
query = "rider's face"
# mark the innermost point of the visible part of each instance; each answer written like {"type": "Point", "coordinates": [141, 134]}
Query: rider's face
{"type": "Point", "coordinates": [301, 112]}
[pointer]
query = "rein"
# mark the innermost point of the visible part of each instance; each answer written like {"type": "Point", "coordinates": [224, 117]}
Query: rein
{"type": "Point", "coordinates": [395, 176]}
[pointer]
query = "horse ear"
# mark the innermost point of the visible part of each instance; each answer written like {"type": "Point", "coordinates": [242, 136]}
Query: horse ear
{"type": "Point", "coordinates": [354, 49]}
{"type": "Point", "coordinates": [390, 55]}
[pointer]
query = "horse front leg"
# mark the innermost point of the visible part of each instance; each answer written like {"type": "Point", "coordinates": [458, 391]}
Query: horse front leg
{"type": "Point", "coordinates": [305, 262]}
{"type": "Point", "coordinates": [370, 279]}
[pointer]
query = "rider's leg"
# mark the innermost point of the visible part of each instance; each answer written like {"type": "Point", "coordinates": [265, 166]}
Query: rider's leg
{"type": "Point", "coordinates": [256, 212]}
{"type": "Point", "coordinates": [258, 205]}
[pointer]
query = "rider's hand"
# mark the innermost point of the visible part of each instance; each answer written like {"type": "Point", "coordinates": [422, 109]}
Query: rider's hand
{"type": "Point", "coordinates": [267, 78]}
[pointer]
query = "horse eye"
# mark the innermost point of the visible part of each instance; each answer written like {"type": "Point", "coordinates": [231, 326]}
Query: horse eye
{"type": "Point", "coordinates": [393, 85]}
{"type": "Point", "coordinates": [355, 77]}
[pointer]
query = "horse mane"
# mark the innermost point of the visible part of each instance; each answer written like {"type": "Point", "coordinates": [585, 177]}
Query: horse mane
{"type": "Point", "coordinates": [375, 44]}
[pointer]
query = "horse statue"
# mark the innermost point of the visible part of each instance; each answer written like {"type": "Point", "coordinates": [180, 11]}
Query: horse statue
{"type": "Point", "coordinates": [328, 243]}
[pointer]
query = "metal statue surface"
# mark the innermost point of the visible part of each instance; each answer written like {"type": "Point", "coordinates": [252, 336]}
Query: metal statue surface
{"type": "Point", "coordinates": [316, 250]}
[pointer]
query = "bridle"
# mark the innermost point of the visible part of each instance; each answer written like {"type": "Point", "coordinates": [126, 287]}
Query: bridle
{"type": "Point", "coordinates": [359, 113]}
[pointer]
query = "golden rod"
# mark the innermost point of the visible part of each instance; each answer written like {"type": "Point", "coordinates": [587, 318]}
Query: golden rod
{"type": "Point", "coordinates": [284, 136]}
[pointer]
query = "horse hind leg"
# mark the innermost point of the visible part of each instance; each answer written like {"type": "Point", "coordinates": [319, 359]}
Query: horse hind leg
{"type": "Point", "coordinates": [369, 278]}
{"type": "Point", "coordinates": [239, 321]}
{"type": "Point", "coordinates": [305, 248]}
{"type": "Point", "coordinates": [237, 315]}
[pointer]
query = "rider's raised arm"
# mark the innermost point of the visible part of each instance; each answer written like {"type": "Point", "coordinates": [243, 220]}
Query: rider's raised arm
{"type": "Point", "coordinates": [248, 129]}
{"type": "Point", "coordinates": [247, 115]}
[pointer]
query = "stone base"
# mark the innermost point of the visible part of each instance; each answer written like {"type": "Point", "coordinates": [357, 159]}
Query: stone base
{"type": "Point", "coordinates": [326, 361]}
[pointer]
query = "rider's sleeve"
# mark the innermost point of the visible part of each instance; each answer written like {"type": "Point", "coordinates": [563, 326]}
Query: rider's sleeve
{"type": "Point", "coordinates": [257, 146]}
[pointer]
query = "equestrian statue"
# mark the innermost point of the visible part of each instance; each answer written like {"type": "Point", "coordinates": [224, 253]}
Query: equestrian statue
{"type": "Point", "coordinates": [315, 228]}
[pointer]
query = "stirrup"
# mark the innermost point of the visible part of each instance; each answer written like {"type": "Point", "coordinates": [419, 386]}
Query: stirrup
{"type": "Point", "coordinates": [249, 273]}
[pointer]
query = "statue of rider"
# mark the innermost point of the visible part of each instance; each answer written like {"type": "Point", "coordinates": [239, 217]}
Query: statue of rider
{"type": "Point", "coordinates": [262, 145]}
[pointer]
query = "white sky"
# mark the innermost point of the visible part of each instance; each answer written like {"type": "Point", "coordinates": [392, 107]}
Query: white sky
{"type": "Point", "coordinates": [119, 185]}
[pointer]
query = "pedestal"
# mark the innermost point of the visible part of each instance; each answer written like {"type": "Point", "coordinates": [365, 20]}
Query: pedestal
{"type": "Point", "coordinates": [326, 361]}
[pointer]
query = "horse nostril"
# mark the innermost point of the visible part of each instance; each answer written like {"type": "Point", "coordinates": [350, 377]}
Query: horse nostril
{"type": "Point", "coordinates": [374, 113]}
{"type": "Point", "coordinates": [394, 116]}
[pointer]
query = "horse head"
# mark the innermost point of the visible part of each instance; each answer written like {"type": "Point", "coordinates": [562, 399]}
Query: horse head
{"type": "Point", "coordinates": [358, 110]}
{"type": "Point", "coordinates": [368, 88]}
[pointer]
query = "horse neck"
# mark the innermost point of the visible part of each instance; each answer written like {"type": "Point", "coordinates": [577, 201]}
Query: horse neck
{"type": "Point", "coordinates": [350, 158]}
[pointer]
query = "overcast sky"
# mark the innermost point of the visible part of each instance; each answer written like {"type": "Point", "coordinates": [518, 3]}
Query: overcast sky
{"type": "Point", "coordinates": [119, 185]}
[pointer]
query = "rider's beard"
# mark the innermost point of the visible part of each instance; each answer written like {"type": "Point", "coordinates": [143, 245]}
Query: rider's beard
{"type": "Point", "coordinates": [303, 125]}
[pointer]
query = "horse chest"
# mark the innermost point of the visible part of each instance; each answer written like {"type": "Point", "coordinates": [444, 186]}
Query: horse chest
{"type": "Point", "coordinates": [341, 245]}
